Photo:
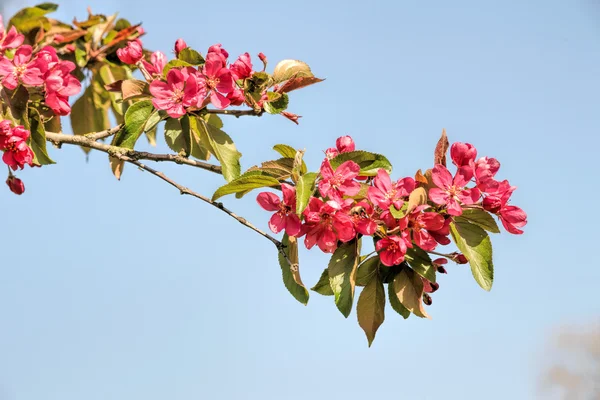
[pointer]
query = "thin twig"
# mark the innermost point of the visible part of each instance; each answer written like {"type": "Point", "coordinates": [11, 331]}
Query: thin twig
{"type": "Point", "coordinates": [103, 134]}
{"type": "Point", "coordinates": [59, 138]}
{"type": "Point", "coordinates": [235, 113]}
{"type": "Point", "coordinates": [184, 190]}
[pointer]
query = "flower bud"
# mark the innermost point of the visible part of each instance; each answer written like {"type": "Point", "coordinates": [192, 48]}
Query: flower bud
{"type": "Point", "coordinates": [427, 299]}
{"type": "Point", "coordinates": [263, 58]}
{"type": "Point", "coordinates": [132, 53]}
{"type": "Point", "coordinates": [460, 258]}
{"type": "Point", "coordinates": [15, 185]}
{"type": "Point", "coordinates": [180, 44]}
{"type": "Point", "coordinates": [291, 116]}
{"type": "Point", "coordinates": [345, 144]}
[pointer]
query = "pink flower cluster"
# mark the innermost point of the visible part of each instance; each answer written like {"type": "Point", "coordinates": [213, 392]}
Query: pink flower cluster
{"type": "Point", "coordinates": [13, 142]}
{"type": "Point", "coordinates": [191, 88]}
{"type": "Point", "coordinates": [493, 195]}
{"type": "Point", "coordinates": [347, 207]}
{"type": "Point", "coordinates": [42, 69]}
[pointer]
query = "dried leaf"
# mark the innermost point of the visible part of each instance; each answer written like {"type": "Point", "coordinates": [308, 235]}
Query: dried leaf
{"type": "Point", "coordinates": [440, 149]}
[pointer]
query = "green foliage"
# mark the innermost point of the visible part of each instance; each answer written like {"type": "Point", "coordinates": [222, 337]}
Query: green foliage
{"type": "Point", "coordinates": [288, 69]}
{"type": "Point", "coordinates": [136, 118]}
{"type": "Point", "coordinates": [369, 163]}
{"type": "Point", "coordinates": [323, 287]}
{"type": "Point", "coordinates": [37, 139]}
{"type": "Point", "coordinates": [342, 275]}
{"type": "Point", "coordinates": [276, 103]}
{"type": "Point", "coordinates": [476, 245]}
{"type": "Point", "coordinates": [190, 56]}
{"type": "Point", "coordinates": [245, 183]}
{"type": "Point", "coordinates": [221, 146]}
{"type": "Point", "coordinates": [420, 262]}
{"type": "Point", "coordinates": [304, 190]}
{"type": "Point", "coordinates": [31, 18]}
{"type": "Point", "coordinates": [479, 217]}
{"type": "Point", "coordinates": [408, 288]}
{"type": "Point", "coordinates": [370, 308]}
{"type": "Point", "coordinates": [291, 273]}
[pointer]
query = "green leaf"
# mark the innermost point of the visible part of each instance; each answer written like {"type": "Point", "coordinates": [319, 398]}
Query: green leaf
{"type": "Point", "coordinates": [323, 287]}
{"type": "Point", "coordinates": [198, 150]}
{"type": "Point", "coordinates": [299, 167]}
{"type": "Point", "coordinates": [37, 140]}
{"type": "Point", "coordinates": [370, 308]}
{"type": "Point", "coordinates": [136, 118]}
{"type": "Point", "coordinates": [31, 18]}
{"type": "Point", "coordinates": [479, 217]}
{"type": "Point", "coordinates": [285, 150]}
{"type": "Point", "coordinates": [476, 245]}
{"type": "Point", "coordinates": [288, 69]}
{"type": "Point", "coordinates": [190, 56]}
{"type": "Point", "coordinates": [398, 214]}
{"type": "Point", "coordinates": [408, 288]}
{"type": "Point", "coordinates": [369, 163]}
{"type": "Point", "coordinates": [280, 169]}
{"type": "Point", "coordinates": [221, 146]}
{"type": "Point", "coordinates": [15, 103]}
{"type": "Point", "coordinates": [395, 303]}
{"type": "Point", "coordinates": [214, 120]}
{"type": "Point", "coordinates": [291, 273]}
{"type": "Point", "coordinates": [153, 120]}
{"type": "Point", "coordinates": [86, 117]}
{"type": "Point", "coordinates": [278, 105]}
{"type": "Point", "coordinates": [420, 262]}
{"type": "Point", "coordinates": [175, 138]}
{"type": "Point", "coordinates": [304, 190]}
{"type": "Point", "coordinates": [175, 64]}
{"type": "Point", "coordinates": [121, 24]}
{"type": "Point", "coordinates": [245, 184]}
{"type": "Point", "coordinates": [342, 275]}
{"type": "Point", "coordinates": [366, 270]}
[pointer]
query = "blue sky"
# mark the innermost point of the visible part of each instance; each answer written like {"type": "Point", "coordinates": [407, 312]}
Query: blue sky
{"type": "Point", "coordinates": [127, 290]}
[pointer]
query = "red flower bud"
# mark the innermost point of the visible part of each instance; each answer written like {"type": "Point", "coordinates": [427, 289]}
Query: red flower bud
{"type": "Point", "coordinates": [15, 185]}
{"type": "Point", "coordinates": [132, 53]}
{"type": "Point", "coordinates": [180, 44]}
{"type": "Point", "coordinates": [427, 299]}
{"type": "Point", "coordinates": [460, 259]}
{"type": "Point", "coordinates": [263, 58]}
{"type": "Point", "coordinates": [291, 116]}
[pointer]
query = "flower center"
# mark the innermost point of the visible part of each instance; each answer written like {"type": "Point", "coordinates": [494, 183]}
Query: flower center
{"type": "Point", "coordinates": [20, 70]}
{"type": "Point", "coordinates": [12, 147]}
{"type": "Point", "coordinates": [284, 208]}
{"type": "Point", "coordinates": [177, 96]}
{"type": "Point", "coordinates": [213, 82]}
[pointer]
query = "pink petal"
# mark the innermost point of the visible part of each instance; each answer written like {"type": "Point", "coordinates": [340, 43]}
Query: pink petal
{"type": "Point", "coordinates": [347, 170]}
{"type": "Point", "coordinates": [277, 222]}
{"type": "Point", "coordinates": [432, 221]}
{"type": "Point", "coordinates": [22, 55]}
{"type": "Point", "coordinates": [268, 201]}
{"type": "Point", "coordinates": [161, 90]}
{"type": "Point", "coordinates": [350, 188]}
{"type": "Point", "coordinates": [6, 66]}
{"type": "Point", "coordinates": [382, 181]}
{"type": "Point", "coordinates": [454, 207]}
{"type": "Point", "coordinates": [324, 188]}
{"type": "Point", "coordinates": [424, 240]}
{"type": "Point", "coordinates": [212, 66]}
{"type": "Point", "coordinates": [469, 196]}
{"type": "Point", "coordinates": [327, 241]}
{"type": "Point", "coordinates": [438, 196]}
{"type": "Point", "coordinates": [10, 82]}
{"type": "Point", "coordinates": [218, 100]}
{"type": "Point", "coordinates": [326, 170]}
{"type": "Point", "coordinates": [441, 177]}
{"type": "Point", "coordinates": [463, 176]}
{"type": "Point", "coordinates": [289, 195]}
{"type": "Point", "coordinates": [378, 198]}
{"type": "Point", "coordinates": [293, 226]}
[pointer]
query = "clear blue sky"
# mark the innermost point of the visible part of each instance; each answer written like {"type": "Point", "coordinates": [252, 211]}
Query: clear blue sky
{"type": "Point", "coordinates": [127, 290]}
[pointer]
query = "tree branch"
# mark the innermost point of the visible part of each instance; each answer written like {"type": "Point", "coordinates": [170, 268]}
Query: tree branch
{"type": "Point", "coordinates": [235, 113]}
{"type": "Point", "coordinates": [133, 157]}
{"type": "Point", "coordinates": [58, 139]}
{"type": "Point", "coordinates": [103, 134]}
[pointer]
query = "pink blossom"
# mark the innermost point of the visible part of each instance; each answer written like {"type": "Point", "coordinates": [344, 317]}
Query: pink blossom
{"type": "Point", "coordinates": [362, 215]}
{"type": "Point", "coordinates": [335, 184]}
{"type": "Point", "coordinates": [15, 185]}
{"type": "Point", "coordinates": [441, 235]}
{"type": "Point", "coordinates": [392, 249]}
{"type": "Point", "coordinates": [285, 216]}
{"type": "Point", "coordinates": [218, 79]}
{"type": "Point", "coordinates": [263, 58]}
{"type": "Point", "coordinates": [157, 63]}
{"type": "Point", "coordinates": [20, 69]}
{"type": "Point", "coordinates": [10, 40]}
{"type": "Point", "coordinates": [512, 217]}
{"type": "Point", "coordinates": [47, 58]}
{"type": "Point", "coordinates": [421, 223]}
{"type": "Point", "coordinates": [325, 224]}
{"type": "Point", "coordinates": [485, 170]}
{"type": "Point", "coordinates": [132, 53]}
{"type": "Point", "coordinates": [60, 84]}
{"type": "Point", "coordinates": [343, 144]}
{"type": "Point", "coordinates": [178, 92]}
{"type": "Point", "coordinates": [16, 151]}
{"type": "Point", "coordinates": [236, 98]}
{"type": "Point", "coordinates": [180, 44]}
{"type": "Point", "coordinates": [451, 192]}
{"type": "Point", "coordinates": [463, 154]}
{"type": "Point", "coordinates": [386, 193]}
{"type": "Point", "coordinates": [242, 67]}
{"type": "Point", "coordinates": [216, 49]}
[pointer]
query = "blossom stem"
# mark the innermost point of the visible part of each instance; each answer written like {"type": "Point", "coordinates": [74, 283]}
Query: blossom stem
{"type": "Point", "coordinates": [450, 256]}
{"type": "Point", "coordinates": [144, 71]}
